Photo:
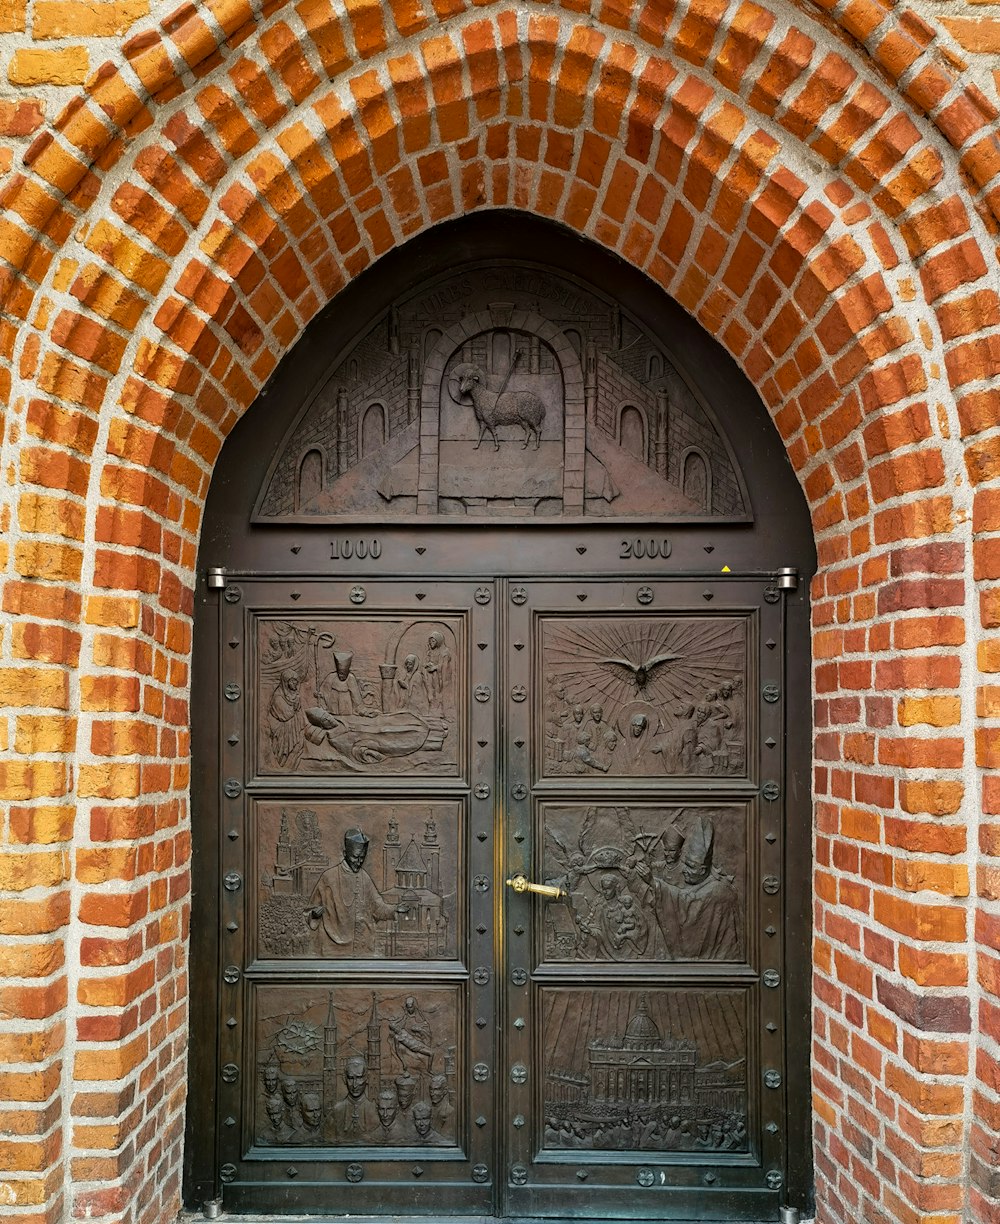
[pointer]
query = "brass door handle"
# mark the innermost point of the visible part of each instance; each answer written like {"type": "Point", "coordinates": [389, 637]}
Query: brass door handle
{"type": "Point", "coordinates": [521, 884]}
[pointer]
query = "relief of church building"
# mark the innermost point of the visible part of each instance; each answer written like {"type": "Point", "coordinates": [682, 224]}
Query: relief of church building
{"type": "Point", "coordinates": [672, 1078]}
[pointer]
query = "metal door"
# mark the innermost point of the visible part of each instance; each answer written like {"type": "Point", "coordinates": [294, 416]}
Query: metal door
{"type": "Point", "coordinates": [358, 1032]}
{"type": "Point", "coordinates": [643, 798]}
{"type": "Point", "coordinates": [476, 650]}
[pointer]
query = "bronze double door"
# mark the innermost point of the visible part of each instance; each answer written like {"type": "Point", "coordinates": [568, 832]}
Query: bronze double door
{"type": "Point", "coordinates": [403, 1031]}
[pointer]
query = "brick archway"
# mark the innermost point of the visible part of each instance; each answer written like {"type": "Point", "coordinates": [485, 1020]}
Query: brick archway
{"type": "Point", "coordinates": [170, 237]}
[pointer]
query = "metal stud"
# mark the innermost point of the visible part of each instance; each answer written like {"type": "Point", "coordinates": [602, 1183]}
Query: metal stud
{"type": "Point", "coordinates": [480, 1121]}
{"type": "Point", "coordinates": [228, 1171]}
{"type": "Point", "coordinates": [483, 595]}
{"type": "Point", "coordinates": [519, 595]}
{"type": "Point", "coordinates": [519, 1023]}
{"type": "Point", "coordinates": [233, 692]}
{"type": "Point", "coordinates": [358, 595]}
{"type": "Point", "coordinates": [481, 975]}
{"type": "Point", "coordinates": [770, 791]}
{"type": "Point", "coordinates": [291, 1171]}
{"type": "Point", "coordinates": [482, 835]}
{"type": "Point", "coordinates": [518, 692]}
{"type": "Point", "coordinates": [354, 1172]}
{"type": "Point", "coordinates": [296, 594]}
{"type": "Point", "coordinates": [482, 692]}
{"type": "Point", "coordinates": [519, 1175]}
{"type": "Point", "coordinates": [518, 790]}
{"type": "Point", "coordinates": [232, 881]}
{"type": "Point", "coordinates": [419, 549]}
{"type": "Point", "coordinates": [772, 594]}
{"type": "Point", "coordinates": [232, 594]}
{"type": "Point", "coordinates": [482, 790]}
{"type": "Point", "coordinates": [644, 595]}
{"type": "Point", "coordinates": [519, 976]}
{"type": "Point", "coordinates": [770, 884]}
{"type": "Point", "coordinates": [480, 1173]}
{"type": "Point", "coordinates": [645, 1177]}
{"type": "Point", "coordinates": [482, 645]}
{"type": "Point", "coordinates": [417, 1171]}
{"type": "Point", "coordinates": [233, 835]}
{"type": "Point", "coordinates": [708, 596]}
{"type": "Point", "coordinates": [770, 693]}
{"type": "Point", "coordinates": [230, 1073]}
{"type": "Point", "coordinates": [233, 739]}
{"type": "Point", "coordinates": [232, 787]}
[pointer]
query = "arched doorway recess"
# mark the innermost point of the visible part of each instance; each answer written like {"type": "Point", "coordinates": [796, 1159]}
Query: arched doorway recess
{"type": "Point", "coordinates": [502, 645]}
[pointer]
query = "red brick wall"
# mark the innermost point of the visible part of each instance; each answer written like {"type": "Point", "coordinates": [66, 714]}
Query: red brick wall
{"type": "Point", "coordinates": [821, 190]}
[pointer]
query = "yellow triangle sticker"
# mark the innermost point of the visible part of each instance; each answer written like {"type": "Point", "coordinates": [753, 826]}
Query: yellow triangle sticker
{"type": "Point", "coordinates": [726, 569]}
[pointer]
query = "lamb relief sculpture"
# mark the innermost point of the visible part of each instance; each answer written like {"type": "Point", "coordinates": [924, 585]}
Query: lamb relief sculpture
{"type": "Point", "coordinates": [493, 408]}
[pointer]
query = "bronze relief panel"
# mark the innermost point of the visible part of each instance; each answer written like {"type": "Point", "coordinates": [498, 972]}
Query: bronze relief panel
{"type": "Point", "coordinates": [645, 882]}
{"type": "Point", "coordinates": [645, 1071]}
{"type": "Point", "coordinates": [352, 1066]}
{"type": "Point", "coordinates": [629, 696]}
{"type": "Point", "coordinates": [355, 696]}
{"type": "Point", "coordinates": [507, 390]}
{"type": "Point", "coordinates": [359, 880]}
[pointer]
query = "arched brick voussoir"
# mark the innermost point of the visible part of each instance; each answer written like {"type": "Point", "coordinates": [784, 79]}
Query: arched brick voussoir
{"type": "Point", "coordinates": [93, 133]}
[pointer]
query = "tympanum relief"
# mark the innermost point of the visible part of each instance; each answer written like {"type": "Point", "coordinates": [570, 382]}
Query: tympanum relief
{"type": "Point", "coordinates": [645, 883]}
{"type": "Point", "coordinates": [658, 1070]}
{"type": "Point", "coordinates": [357, 880]}
{"type": "Point", "coordinates": [359, 696]}
{"type": "Point", "coordinates": [504, 391]}
{"type": "Point", "coordinates": [355, 1067]}
{"type": "Point", "coordinates": [644, 697]}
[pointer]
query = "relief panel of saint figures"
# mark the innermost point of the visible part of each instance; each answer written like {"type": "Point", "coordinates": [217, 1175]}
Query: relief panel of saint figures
{"type": "Point", "coordinates": [660, 1071]}
{"type": "Point", "coordinates": [357, 880]}
{"type": "Point", "coordinates": [372, 696]}
{"type": "Point", "coordinates": [354, 1067]}
{"type": "Point", "coordinates": [645, 883]}
{"type": "Point", "coordinates": [641, 697]}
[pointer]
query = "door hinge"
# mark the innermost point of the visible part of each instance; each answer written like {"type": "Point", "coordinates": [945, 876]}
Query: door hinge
{"type": "Point", "coordinates": [216, 577]}
{"type": "Point", "coordinates": [787, 578]}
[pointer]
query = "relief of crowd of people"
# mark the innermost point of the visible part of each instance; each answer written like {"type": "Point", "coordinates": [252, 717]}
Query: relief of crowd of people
{"type": "Point", "coordinates": [706, 737]}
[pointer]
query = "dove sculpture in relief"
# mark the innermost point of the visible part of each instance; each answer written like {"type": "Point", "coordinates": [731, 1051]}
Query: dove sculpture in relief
{"type": "Point", "coordinates": [637, 673]}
